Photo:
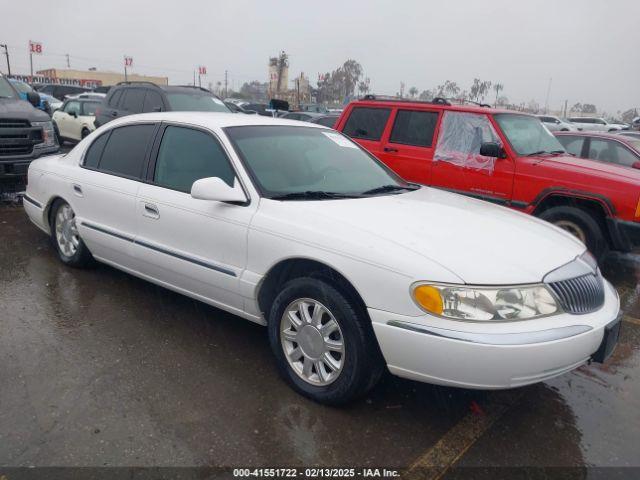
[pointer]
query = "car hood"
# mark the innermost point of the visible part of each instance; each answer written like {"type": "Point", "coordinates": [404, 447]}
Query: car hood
{"type": "Point", "coordinates": [602, 169]}
{"type": "Point", "coordinates": [21, 109]}
{"type": "Point", "coordinates": [478, 242]}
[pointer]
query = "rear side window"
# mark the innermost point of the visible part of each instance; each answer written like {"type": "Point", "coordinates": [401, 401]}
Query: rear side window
{"type": "Point", "coordinates": [92, 157]}
{"type": "Point", "coordinates": [187, 155]}
{"type": "Point", "coordinates": [132, 100]}
{"type": "Point", "coordinates": [414, 128]}
{"type": "Point", "coordinates": [89, 108]}
{"type": "Point", "coordinates": [125, 151]}
{"type": "Point", "coordinates": [115, 98]}
{"type": "Point", "coordinates": [367, 123]}
{"type": "Point", "coordinates": [328, 121]}
{"type": "Point", "coordinates": [152, 102]}
{"type": "Point", "coordinates": [572, 144]}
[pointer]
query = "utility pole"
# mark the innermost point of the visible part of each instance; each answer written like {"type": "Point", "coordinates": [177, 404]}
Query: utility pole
{"type": "Point", "coordinates": [31, 64]}
{"type": "Point", "coordinates": [194, 78]}
{"type": "Point", "coordinates": [226, 82]}
{"type": "Point", "coordinates": [6, 54]}
{"type": "Point", "coordinates": [565, 109]}
{"type": "Point", "coordinates": [68, 63]}
{"type": "Point", "coordinates": [546, 100]}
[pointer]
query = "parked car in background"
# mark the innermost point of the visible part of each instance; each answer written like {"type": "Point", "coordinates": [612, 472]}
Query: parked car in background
{"type": "Point", "coordinates": [325, 119]}
{"type": "Point", "coordinates": [596, 124]}
{"type": "Point", "coordinates": [605, 147]}
{"type": "Point", "coordinates": [75, 120]}
{"type": "Point", "coordinates": [47, 102]}
{"type": "Point", "coordinates": [635, 123]}
{"type": "Point", "coordinates": [92, 95]}
{"type": "Point", "coordinates": [556, 124]}
{"type": "Point", "coordinates": [267, 218]}
{"type": "Point", "coordinates": [313, 107]}
{"type": "Point", "coordinates": [26, 133]}
{"type": "Point", "coordinates": [128, 98]}
{"type": "Point", "coordinates": [630, 133]}
{"type": "Point", "coordinates": [237, 108]}
{"type": "Point", "coordinates": [101, 89]}
{"type": "Point", "coordinates": [503, 157]}
{"type": "Point", "coordinates": [61, 91]}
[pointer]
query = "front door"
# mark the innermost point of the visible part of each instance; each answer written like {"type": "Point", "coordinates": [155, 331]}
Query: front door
{"type": "Point", "coordinates": [366, 125]}
{"type": "Point", "coordinates": [458, 165]}
{"type": "Point", "coordinates": [198, 246]}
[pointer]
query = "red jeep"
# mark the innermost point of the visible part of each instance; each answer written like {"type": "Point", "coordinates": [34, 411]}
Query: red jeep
{"type": "Point", "coordinates": [502, 156]}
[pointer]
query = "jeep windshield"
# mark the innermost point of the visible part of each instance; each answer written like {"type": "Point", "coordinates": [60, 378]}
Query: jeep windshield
{"type": "Point", "coordinates": [6, 91]}
{"type": "Point", "coordinates": [306, 163]}
{"type": "Point", "coordinates": [527, 135]}
{"type": "Point", "coordinates": [192, 100]}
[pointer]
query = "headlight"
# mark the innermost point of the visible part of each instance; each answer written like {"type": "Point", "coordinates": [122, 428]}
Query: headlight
{"type": "Point", "coordinates": [489, 304]}
{"type": "Point", "coordinates": [48, 135]}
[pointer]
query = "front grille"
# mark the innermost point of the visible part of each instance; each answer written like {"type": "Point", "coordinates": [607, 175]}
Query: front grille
{"type": "Point", "coordinates": [17, 137]}
{"type": "Point", "coordinates": [14, 123]}
{"type": "Point", "coordinates": [580, 295]}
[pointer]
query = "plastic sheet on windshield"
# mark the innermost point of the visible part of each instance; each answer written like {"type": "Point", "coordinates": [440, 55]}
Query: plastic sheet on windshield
{"type": "Point", "coordinates": [461, 135]}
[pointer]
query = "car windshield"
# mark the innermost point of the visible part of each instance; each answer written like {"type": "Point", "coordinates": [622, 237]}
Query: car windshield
{"type": "Point", "coordinates": [297, 160]}
{"type": "Point", "coordinates": [22, 87]}
{"type": "Point", "coordinates": [195, 102]}
{"type": "Point", "coordinates": [5, 89]}
{"type": "Point", "coordinates": [527, 135]}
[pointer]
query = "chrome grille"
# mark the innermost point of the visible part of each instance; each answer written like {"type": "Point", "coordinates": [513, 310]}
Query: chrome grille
{"type": "Point", "coordinates": [580, 295]}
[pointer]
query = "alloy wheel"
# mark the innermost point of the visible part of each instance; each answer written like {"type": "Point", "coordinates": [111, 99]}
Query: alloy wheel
{"type": "Point", "coordinates": [312, 341]}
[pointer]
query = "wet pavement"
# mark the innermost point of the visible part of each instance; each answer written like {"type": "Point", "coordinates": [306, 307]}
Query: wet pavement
{"type": "Point", "coordinates": [100, 368]}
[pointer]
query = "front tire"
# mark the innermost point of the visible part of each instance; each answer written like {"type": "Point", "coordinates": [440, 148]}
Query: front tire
{"type": "Point", "coordinates": [65, 237]}
{"type": "Point", "coordinates": [581, 225]}
{"type": "Point", "coordinates": [322, 341]}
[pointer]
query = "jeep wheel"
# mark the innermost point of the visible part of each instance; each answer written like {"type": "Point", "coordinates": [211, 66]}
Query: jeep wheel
{"type": "Point", "coordinates": [582, 225]}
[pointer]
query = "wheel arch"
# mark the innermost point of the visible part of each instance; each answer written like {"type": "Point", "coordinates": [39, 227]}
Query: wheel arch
{"type": "Point", "coordinates": [47, 211]}
{"type": "Point", "coordinates": [600, 207]}
{"type": "Point", "coordinates": [296, 267]}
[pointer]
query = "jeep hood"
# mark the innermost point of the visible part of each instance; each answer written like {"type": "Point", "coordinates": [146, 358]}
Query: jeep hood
{"type": "Point", "coordinates": [478, 242]}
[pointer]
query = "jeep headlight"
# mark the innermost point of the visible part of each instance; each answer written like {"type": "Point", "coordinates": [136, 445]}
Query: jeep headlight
{"type": "Point", "coordinates": [48, 134]}
{"type": "Point", "coordinates": [485, 304]}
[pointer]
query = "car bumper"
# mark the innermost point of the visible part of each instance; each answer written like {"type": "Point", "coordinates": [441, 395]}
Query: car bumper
{"type": "Point", "coordinates": [497, 356]}
{"type": "Point", "coordinates": [625, 235]}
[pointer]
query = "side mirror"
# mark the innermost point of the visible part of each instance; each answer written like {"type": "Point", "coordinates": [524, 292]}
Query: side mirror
{"type": "Point", "coordinates": [33, 98]}
{"type": "Point", "coordinates": [492, 149]}
{"type": "Point", "coordinates": [73, 114]}
{"type": "Point", "coordinates": [635, 165]}
{"type": "Point", "coordinates": [214, 188]}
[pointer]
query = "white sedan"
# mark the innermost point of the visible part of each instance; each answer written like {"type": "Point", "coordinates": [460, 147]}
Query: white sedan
{"type": "Point", "coordinates": [352, 269]}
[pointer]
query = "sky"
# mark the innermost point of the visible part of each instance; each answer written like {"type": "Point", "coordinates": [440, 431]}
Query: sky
{"type": "Point", "coordinates": [585, 51]}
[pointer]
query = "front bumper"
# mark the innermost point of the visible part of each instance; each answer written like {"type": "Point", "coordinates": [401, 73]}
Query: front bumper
{"type": "Point", "coordinates": [625, 235]}
{"type": "Point", "coordinates": [491, 356]}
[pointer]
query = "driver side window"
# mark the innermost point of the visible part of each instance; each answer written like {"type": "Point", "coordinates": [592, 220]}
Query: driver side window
{"type": "Point", "coordinates": [186, 155]}
{"type": "Point", "coordinates": [72, 107]}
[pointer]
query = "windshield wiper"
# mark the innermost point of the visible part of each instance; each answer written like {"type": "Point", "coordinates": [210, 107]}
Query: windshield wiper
{"type": "Point", "coordinates": [389, 188]}
{"type": "Point", "coordinates": [545, 152]}
{"type": "Point", "coordinates": [313, 195]}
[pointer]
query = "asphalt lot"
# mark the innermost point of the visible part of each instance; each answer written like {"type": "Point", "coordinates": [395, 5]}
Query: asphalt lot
{"type": "Point", "coordinates": [98, 368]}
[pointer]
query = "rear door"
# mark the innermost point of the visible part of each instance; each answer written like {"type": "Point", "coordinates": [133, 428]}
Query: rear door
{"type": "Point", "coordinates": [105, 191]}
{"type": "Point", "coordinates": [366, 125]}
{"type": "Point", "coordinates": [132, 101]}
{"type": "Point", "coordinates": [408, 148]}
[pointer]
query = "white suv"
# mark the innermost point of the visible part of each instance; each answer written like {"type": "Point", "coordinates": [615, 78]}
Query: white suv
{"type": "Point", "coordinates": [595, 124]}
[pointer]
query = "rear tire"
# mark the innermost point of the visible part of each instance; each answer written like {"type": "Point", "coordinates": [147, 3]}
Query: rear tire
{"type": "Point", "coordinates": [354, 364]}
{"type": "Point", "coordinates": [580, 224]}
{"type": "Point", "coordinates": [65, 237]}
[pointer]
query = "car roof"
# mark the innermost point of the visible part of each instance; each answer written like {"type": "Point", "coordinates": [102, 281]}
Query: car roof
{"type": "Point", "coordinates": [420, 105]}
{"type": "Point", "coordinates": [211, 120]}
{"type": "Point", "coordinates": [613, 136]}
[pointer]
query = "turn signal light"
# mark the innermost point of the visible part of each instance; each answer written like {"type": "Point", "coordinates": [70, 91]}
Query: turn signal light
{"type": "Point", "coordinates": [637, 215]}
{"type": "Point", "coordinates": [429, 298]}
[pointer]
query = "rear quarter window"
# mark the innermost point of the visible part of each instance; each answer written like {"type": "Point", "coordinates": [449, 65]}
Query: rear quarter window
{"type": "Point", "coordinates": [367, 123]}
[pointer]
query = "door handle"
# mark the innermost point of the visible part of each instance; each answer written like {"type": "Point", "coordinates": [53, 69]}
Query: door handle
{"type": "Point", "coordinates": [114, 113]}
{"type": "Point", "coordinates": [151, 211]}
{"type": "Point", "coordinates": [77, 189]}
{"type": "Point", "coordinates": [390, 149]}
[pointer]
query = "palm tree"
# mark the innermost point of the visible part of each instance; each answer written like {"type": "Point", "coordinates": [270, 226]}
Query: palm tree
{"type": "Point", "coordinates": [413, 91]}
{"type": "Point", "coordinates": [497, 87]}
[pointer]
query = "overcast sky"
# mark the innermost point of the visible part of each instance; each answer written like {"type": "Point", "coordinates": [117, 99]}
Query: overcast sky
{"type": "Point", "coordinates": [590, 48]}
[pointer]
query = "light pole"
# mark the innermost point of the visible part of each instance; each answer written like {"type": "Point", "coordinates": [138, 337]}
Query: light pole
{"type": "Point", "coordinates": [6, 53]}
